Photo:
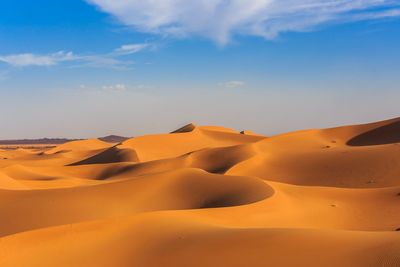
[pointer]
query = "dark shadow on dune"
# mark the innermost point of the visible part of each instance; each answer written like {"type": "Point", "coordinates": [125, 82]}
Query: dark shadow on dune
{"type": "Point", "coordinates": [62, 152]}
{"type": "Point", "coordinates": [244, 196]}
{"type": "Point", "coordinates": [185, 129]}
{"type": "Point", "coordinates": [225, 201]}
{"type": "Point", "coordinates": [44, 178]}
{"type": "Point", "coordinates": [219, 169]}
{"type": "Point", "coordinates": [387, 134]}
{"type": "Point", "coordinates": [110, 155]}
{"type": "Point", "coordinates": [114, 171]}
{"type": "Point", "coordinates": [237, 191]}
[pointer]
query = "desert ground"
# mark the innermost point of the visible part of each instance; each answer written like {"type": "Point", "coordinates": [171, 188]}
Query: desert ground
{"type": "Point", "coordinates": [206, 196]}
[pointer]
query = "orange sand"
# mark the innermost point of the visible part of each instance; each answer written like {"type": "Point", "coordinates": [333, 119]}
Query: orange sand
{"type": "Point", "coordinates": [206, 196]}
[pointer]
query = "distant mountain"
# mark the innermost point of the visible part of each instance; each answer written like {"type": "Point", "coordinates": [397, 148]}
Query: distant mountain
{"type": "Point", "coordinates": [59, 141]}
{"type": "Point", "coordinates": [53, 141]}
{"type": "Point", "coordinates": [113, 138]}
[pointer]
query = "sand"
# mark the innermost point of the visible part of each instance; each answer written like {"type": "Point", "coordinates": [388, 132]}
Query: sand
{"type": "Point", "coordinates": [206, 196]}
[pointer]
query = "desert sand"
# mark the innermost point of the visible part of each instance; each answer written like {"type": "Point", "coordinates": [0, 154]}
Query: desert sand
{"type": "Point", "coordinates": [206, 196]}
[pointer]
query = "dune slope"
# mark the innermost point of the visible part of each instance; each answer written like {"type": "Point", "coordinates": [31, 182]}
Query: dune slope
{"type": "Point", "coordinates": [206, 196]}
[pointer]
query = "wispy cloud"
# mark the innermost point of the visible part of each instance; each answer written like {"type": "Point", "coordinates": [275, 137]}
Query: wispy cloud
{"type": "Point", "coordinates": [377, 15]}
{"type": "Point", "coordinates": [220, 19]}
{"type": "Point", "coordinates": [28, 59]}
{"type": "Point", "coordinates": [114, 59]}
{"type": "Point", "coordinates": [233, 84]}
{"type": "Point", "coordinates": [130, 49]}
{"type": "Point", "coordinates": [115, 88]}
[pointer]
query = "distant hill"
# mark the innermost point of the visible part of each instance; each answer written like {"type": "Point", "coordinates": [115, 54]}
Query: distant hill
{"type": "Point", "coordinates": [113, 138]}
{"type": "Point", "coordinates": [58, 141]}
{"type": "Point", "coordinates": [52, 141]}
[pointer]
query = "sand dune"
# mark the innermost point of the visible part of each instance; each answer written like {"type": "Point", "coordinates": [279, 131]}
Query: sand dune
{"type": "Point", "coordinates": [80, 145]}
{"type": "Point", "coordinates": [155, 147]}
{"type": "Point", "coordinates": [206, 196]}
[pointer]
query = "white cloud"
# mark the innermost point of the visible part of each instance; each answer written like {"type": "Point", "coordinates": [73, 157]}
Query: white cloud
{"type": "Point", "coordinates": [220, 19]}
{"type": "Point", "coordinates": [102, 61]}
{"type": "Point", "coordinates": [130, 49]}
{"type": "Point", "coordinates": [108, 60]}
{"type": "Point", "coordinates": [378, 15]}
{"type": "Point", "coordinates": [233, 84]}
{"type": "Point", "coordinates": [23, 60]}
{"type": "Point", "coordinates": [115, 88]}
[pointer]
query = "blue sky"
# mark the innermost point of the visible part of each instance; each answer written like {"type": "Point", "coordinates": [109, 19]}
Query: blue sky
{"type": "Point", "coordinates": [89, 68]}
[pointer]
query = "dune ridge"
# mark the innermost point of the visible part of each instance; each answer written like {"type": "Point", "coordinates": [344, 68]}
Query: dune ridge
{"type": "Point", "coordinates": [206, 196]}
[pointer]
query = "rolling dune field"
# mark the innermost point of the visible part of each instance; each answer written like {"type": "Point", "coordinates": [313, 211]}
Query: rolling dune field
{"type": "Point", "coordinates": [206, 196]}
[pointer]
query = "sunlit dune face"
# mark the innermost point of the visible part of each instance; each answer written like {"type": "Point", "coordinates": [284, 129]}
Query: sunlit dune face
{"type": "Point", "coordinates": [206, 196]}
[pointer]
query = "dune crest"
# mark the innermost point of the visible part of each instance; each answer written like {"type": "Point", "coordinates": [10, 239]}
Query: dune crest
{"type": "Point", "coordinates": [80, 145]}
{"type": "Point", "coordinates": [206, 196]}
{"type": "Point", "coordinates": [185, 129]}
{"type": "Point", "coordinates": [388, 133]}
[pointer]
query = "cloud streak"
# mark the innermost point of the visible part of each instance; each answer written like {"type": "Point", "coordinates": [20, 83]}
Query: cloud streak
{"type": "Point", "coordinates": [233, 84]}
{"type": "Point", "coordinates": [29, 59]}
{"type": "Point", "coordinates": [119, 87]}
{"type": "Point", "coordinates": [219, 20]}
{"type": "Point", "coordinates": [114, 59]}
{"type": "Point", "coordinates": [130, 49]}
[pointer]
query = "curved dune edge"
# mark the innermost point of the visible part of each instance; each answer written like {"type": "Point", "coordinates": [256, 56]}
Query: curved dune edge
{"type": "Point", "coordinates": [183, 189]}
{"type": "Point", "coordinates": [110, 155]}
{"type": "Point", "coordinates": [185, 129]}
{"type": "Point", "coordinates": [383, 133]}
{"type": "Point", "coordinates": [206, 196]}
{"type": "Point", "coordinates": [168, 240]}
